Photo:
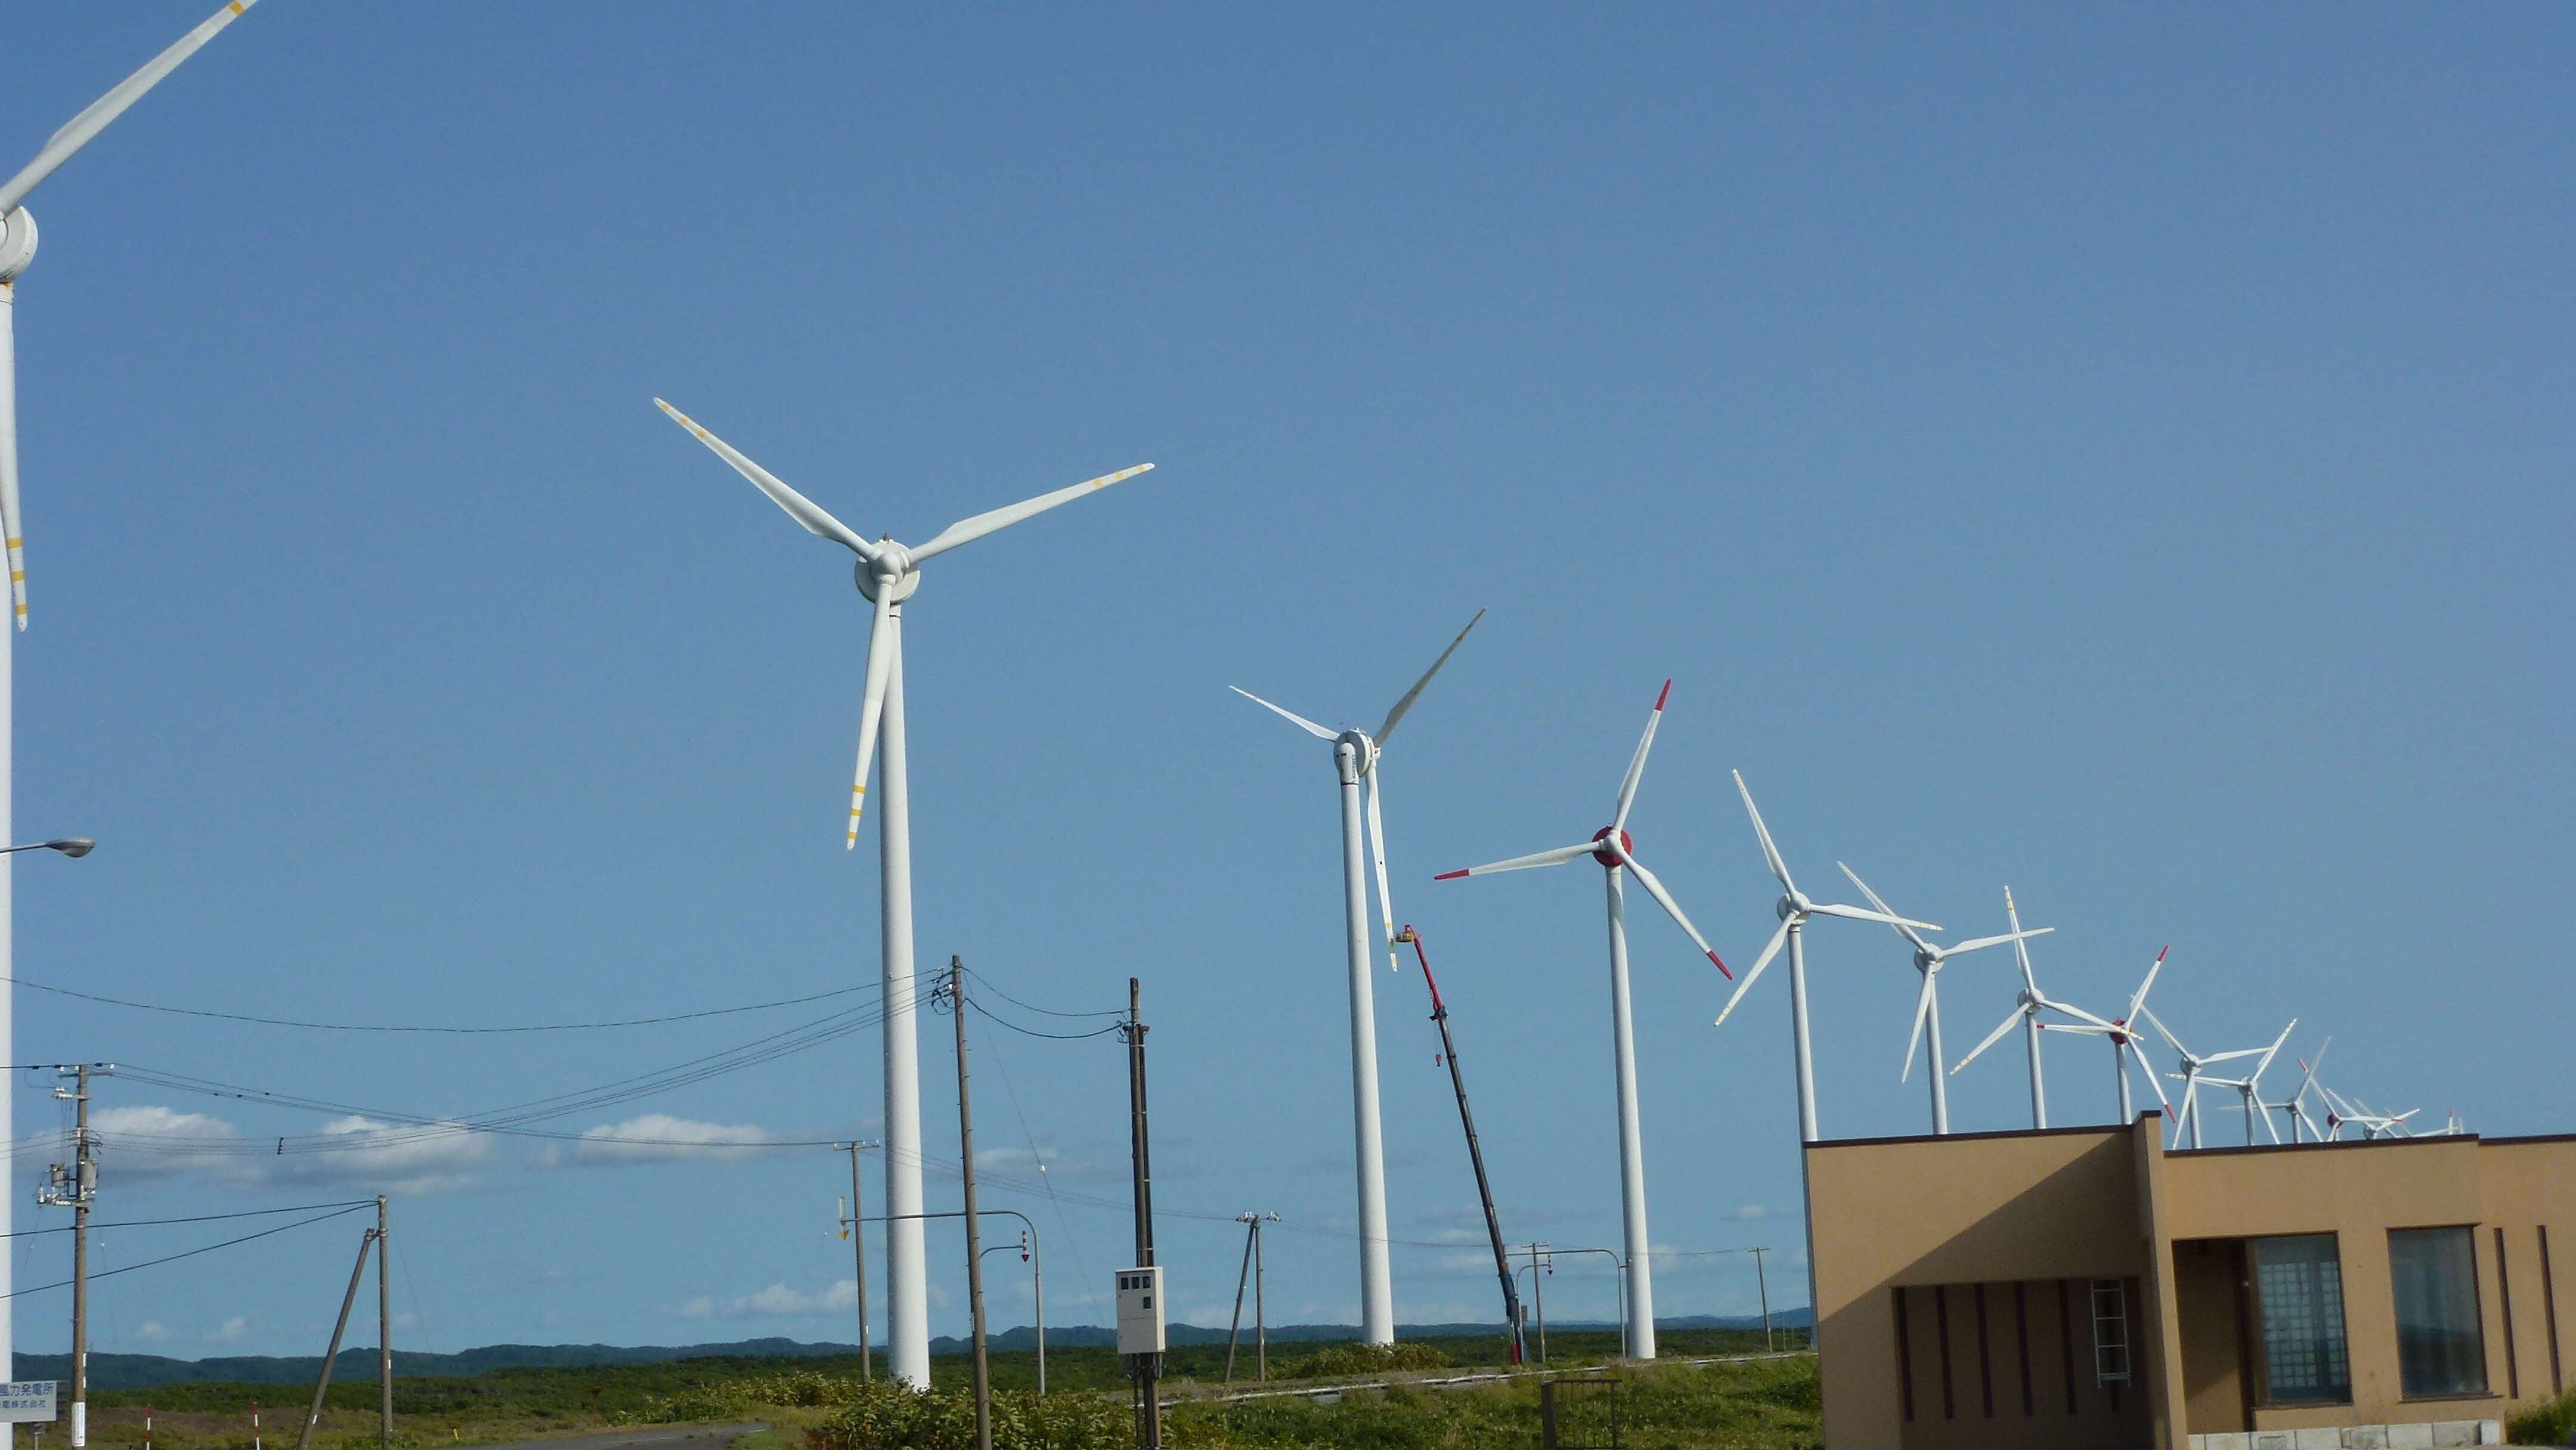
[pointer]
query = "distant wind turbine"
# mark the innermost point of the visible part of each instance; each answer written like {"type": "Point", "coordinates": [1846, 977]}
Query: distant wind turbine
{"type": "Point", "coordinates": [1928, 960]}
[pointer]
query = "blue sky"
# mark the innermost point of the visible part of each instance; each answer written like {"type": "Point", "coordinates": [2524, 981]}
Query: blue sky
{"type": "Point", "coordinates": [2121, 454]}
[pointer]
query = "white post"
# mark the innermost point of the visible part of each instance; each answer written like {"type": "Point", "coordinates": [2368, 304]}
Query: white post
{"type": "Point", "coordinates": [1377, 1285]}
{"type": "Point", "coordinates": [8, 766]}
{"type": "Point", "coordinates": [1940, 1079]}
{"type": "Point", "coordinates": [907, 1271]}
{"type": "Point", "coordinates": [2038, 1086]}
{"type": "Point", "coordinates": [1632, 1147]}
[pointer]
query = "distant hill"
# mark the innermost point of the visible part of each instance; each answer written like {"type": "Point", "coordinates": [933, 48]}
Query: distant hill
{"type": "Point", "coordinates": [146, 1371]}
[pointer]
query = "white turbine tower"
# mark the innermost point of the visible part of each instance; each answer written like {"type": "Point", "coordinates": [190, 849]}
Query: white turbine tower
{"type": "Point", "coordinates": [17, 249]}
{"type": "Point", "coordinates": [2250, 1087]}
{"type": "Point", "coordinates": [1795, 908]}
{"type": "Point", "coordinates": [888, 573]}
{"type": "Point", "coordinates": [2025, 1013]}
{"type": "Point", "coordinates": [1355, 755]}
{"type": "Point", "coordinates": [1616, 851]}
{"type": "Point", "coordinates": [2124, 1038]}
{"type": "Point", "coordinates": [2192, 1073]}
{"type": "Point", "coordinates": [1928, 960]}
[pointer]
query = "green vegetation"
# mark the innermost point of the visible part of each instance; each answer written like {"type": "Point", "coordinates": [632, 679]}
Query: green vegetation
{"type": "Point", "coordinates": [2551, 1424]}
{"type": "Point", "coordinates": [819, 1404]}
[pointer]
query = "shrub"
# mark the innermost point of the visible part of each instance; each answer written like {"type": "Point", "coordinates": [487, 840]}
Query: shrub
{"type": "Point", "coordinates": [2553, 1423]}
{"type": "Point", "coordinates": [1350, 1359]}
{"type": "Point", "coordinates": [898, 1417]}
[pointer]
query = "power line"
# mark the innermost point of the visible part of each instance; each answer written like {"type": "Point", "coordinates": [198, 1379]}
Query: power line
{"type": "Point", "coordinates": [450, 1031]}
{"type": "Point", "coordinates": [989, 1015]}
{"type": "Point", "coordinates": [1043, 1011]}
{"type": "Point", "coordinates": [196, 1218]}
{"type": "Point", "coordinates": [192, 1253]}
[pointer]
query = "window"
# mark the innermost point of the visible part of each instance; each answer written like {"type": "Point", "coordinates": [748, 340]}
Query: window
{"type": "Point", "coordinates": [2298, 1286]}
{"type": "Point", "coordinates": [2441, 1349]}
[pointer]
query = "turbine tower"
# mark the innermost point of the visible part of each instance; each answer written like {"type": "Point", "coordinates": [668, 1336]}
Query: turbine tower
{"type": "Point", "coordinates": [1795, 908]}
{"type": "Point", "coordinates": [1928, 960]}
{"type": "Point", "coordinates": [1355, 756]}
{"type": "Point", "coordinates": [1616, 851]}
{"type": "Point", "coordinates": [2192, 1074]}
{"type": "Point", "coordinates": [2123, 1038]}
{"type": "Point", "coordinates": [17, 249]}
{"type": "Point", "coordinates": [888, 573]}
{"type": "Point", "coordinates": [2250, 1087]}
{"type": "Point", "coordinates": [2025, 1013]}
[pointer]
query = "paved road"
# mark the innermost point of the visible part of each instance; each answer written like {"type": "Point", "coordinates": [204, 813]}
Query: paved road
{"type": "Point", "coordinates": [644, 1437]}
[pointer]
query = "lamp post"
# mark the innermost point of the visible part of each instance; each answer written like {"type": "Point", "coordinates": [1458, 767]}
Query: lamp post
{"type": "Point", "coordinates": [73, 846]}
{"type": "Point", "coordinates": [1037, 1265]}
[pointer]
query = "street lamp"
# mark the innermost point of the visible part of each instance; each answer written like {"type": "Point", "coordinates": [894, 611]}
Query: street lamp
{"type": "Point", "coordinates": [73, 846]}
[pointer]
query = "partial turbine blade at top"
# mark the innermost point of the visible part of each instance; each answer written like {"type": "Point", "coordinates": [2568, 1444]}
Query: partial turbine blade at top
{"type": "Point", "coordinates": [967, 531]}
{"type": "Point", "coordinates": [1991, 1038]}
{"type": "Point", "coordinates": [800, 508]}
{"type": "Point", "coordinates": [1664, 899]}
{"type": "Point", "coordinates": [1637, 762]}
{"type": "Point", "coordinates": [1770, 852]}
{"type": "Point", "coordinates": [93, 118]}
{"type": "Point", "coordinates": [2275, 1049]}
{"type": "Point", "coordinates": [1854, 913]}
{"type": "Point", "coordinates": [2021, 944]}
{"type": "Point", "coordinates": [2138, 1003]}
{"type": "Point", "coordinates": [1922, 1014]}
{"type": "Point", "coordinates": [1377, 853]}
{"type": "Point", "coordinates": [1397, 714]}
{"type": "Point", "coordinates": [1557, 857]}
{"type": "Point", "coordinates": [1291, 716]}
{"type": "Point", "coordinates": [1770, 949]}
{"type": "Point", "coordinates": [883, 645]}
{"type": "Point", "coordinates": [1978, 944]}
{"type": "Point", "coordinates": [1904, 927]}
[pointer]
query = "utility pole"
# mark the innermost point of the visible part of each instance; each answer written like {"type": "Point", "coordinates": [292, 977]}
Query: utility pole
{"type": "Point", "coordinates": [854, 1227]}
{"type": "Point", "coordinates": [384, 1335]}
{"type": "Point", "coordinates": [1538, 1292]}
{"type": "Point", "coordinates": [1144, 1369]}
{"type": "Point", "coordinates": [974, 1230]}
{"type": "Point", "coordinates": [1475, 1151]}
{"type": "Point", "coordinates": [1251, 1270]}
{"type": "Point", "coordinates": [75, 1186]}
{"type": "Point", "coordinates": [1762, 1282]}
{"type": "Point", "coordinates": [348, 1301]}
{"type": "Point", "coordinates": [1260, 1317]}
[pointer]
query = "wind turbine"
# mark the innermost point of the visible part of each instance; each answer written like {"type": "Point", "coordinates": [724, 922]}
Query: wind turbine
{"type": "Point", "coordinates": [17, 249]}
{"type": "Point", "coordinates": [888, 573]}
{"type": "Point", "coordinates": [1928, 960]}
{"type": "Point", "coordinates": [2026, 1012]}
{"type": "Point", "coordinates": [2250, 1086]}
{"type": "Point", "coordinates": [1795, 908]}
{"type": "Point", "coordinates": [2297, 1106]}
{"type": "Point", "coordinates": [1355, 755]}
{"type": "Point", "coordinates": [2124, 1039]}
{"type": "Point", "coordinates": [1616, 851]}
{"type": "Point", "coordinates": [2191, 1074]}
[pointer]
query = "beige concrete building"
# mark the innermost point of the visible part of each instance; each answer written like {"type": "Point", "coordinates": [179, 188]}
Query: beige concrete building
{"type": "Point", "coordinates": [2083, 1287]}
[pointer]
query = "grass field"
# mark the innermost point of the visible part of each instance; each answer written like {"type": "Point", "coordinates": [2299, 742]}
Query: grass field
{"type": "Point", "coordinates": [1769, 1405]}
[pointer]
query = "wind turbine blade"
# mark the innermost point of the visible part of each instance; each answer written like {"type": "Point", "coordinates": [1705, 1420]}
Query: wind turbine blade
{"type": "Point", "coordinates": [1769, 950]}
{"type": "Point", "coordinates": [1377, 853]}
{"type": "Point", "coordinates": [1663, 898]}
{"type": "Point", "coordinates": [2138, 1003]}
{"type": "Point", "coordinates": [93, 118]}
{"type": "Point", "coordinates": [1557, 857]}
{"type": "Point", "coordinates": [2275, 1049]}
{"type": "Point", "coordinates": [2241, 1052]}
{"type": "Point", "coordinates": [1922, 1010]}
{"type": "Point", "coordinates": [1637, 762]}
{"type": "Point", "coordinates": [1978, 944]}
{"type": "Point", "coordinates": [1992, 1038]}
{"type": "Point", "coordinates": [2088, 1029]}
{"type": "Point", "coordinates": [2071, 1010]}
{"type": "Point", "coordinates": [1854, 913]}
{"type": "Point", "coordinates": [967, 531]}
{"type": "Point", "coordinates": [2265, 1114]}
{"type": "Point", "coordinates": [1292, 717]}
{"type": "Point", "coordinates": [872, 706]}
{"type": "Point", "coordinates": [1770, 852]}
{"type": "Point", "coordinates": [1903, 927]}
{"type": "Point", "coordinates": [2021, 944]}
{"type": "Point", "coordinates": [2137, 1060]}
{"type": "Point", "coordinates": [10, 527]}
{"type": "Point", "coordinates": [800, 508]}
{"type": "Point", "coordinates": [2166, 1032]}
{"type": "Point", "coordinates": [2308, 1071]}
{"type": "Point", "coordinates": [1397, 714]}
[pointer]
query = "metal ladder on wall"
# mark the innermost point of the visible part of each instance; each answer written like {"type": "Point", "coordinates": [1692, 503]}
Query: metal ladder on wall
{"type": "Point", "coordinates": [2110, 1332]}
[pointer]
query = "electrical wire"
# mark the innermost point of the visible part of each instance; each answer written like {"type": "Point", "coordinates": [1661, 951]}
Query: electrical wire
{"type": "Point", "coordinates": [1042, 1011]}
{"type": "Point", "coordinates": [193, 1218]}
{"type": "Point", "coordinates": [451, 1031]}
{"type": "Point", "coordinates": [989, 1015]}
{"type": "Point", "coordinates": [192, 1253]}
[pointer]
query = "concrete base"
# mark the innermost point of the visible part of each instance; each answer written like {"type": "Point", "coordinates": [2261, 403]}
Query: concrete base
{"type": "Point", "coordinates": [2360, 1437]}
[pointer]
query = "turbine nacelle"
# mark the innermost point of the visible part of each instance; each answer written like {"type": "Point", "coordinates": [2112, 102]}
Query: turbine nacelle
{"type": "Point", "coordinates": [1614, 856]}
{"type": "Point", "coordinates": [17, 244]}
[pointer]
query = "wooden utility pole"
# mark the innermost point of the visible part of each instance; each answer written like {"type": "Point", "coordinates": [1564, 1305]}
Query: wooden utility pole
{"type": "Point", "coordinates": [77, 1190]}
{"type": "Point", "coordinates": [1763, 1282]}
{"type": "Point", "coordinates": [1144, 1369]}
{"type": "Point", "coordinates": [348, 1301]}
{"type": "Point", "coordinates": [384, 1336]}
{"type": "Point", "coordinates": [1260, 1316]}
{"type": "Point", "coordinates": [974, 1230]}
{"type": "Point", "coordinates": [856, 1230]}
{"type": "Point", "coordinates": [1242, 1277]}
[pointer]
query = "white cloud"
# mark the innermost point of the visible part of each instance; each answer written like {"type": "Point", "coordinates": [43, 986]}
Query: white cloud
{"type": "Point", "coordinates": [148, 1140]}
{"type": "Point", "coordinates": [661, 1138]}
{"type": "Point", "coordinates": [153, 1331]}
{"type": "Point", "coordinates": [776, 1301]}
{"type": "Point", "coordinates": [234, 1331]}
{"type": "Point", "coordinates": [1750, 1212]}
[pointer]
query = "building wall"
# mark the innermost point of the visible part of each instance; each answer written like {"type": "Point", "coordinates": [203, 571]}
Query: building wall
{"type": "Point", "coordinates": [2005, 1216]}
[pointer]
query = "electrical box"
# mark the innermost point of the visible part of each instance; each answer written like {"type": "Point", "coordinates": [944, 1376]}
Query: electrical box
{"type": "Point", "coordinates": [1140, 1310]}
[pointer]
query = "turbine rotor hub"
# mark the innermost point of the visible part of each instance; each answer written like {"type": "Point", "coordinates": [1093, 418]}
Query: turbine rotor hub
{"type": "Point", "coordinates": [892, 568]}
{"type": "Point", "coordinates": [1605, 855]}
{"type": "Point", "coordinates": [17, 244]}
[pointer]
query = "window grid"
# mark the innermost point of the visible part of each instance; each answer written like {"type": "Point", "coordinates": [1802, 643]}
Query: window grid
{"type": "Point", "coordinates": [2299, 1286]}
